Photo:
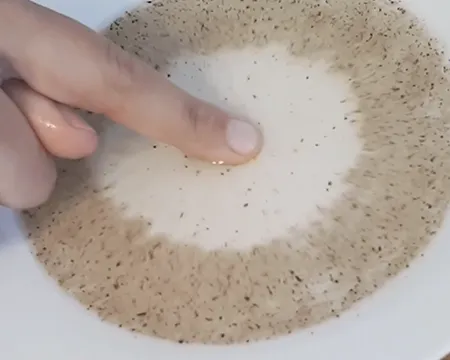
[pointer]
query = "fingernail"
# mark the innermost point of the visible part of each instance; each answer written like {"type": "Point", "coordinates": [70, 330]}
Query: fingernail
{"type": "Point", "coordinates": [77, 123]}
{"type": "Point", "coordinates": [242, 137]}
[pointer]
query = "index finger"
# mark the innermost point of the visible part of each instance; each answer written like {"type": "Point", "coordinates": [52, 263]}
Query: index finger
{"type": "Point", "coordinates": [71, 64]}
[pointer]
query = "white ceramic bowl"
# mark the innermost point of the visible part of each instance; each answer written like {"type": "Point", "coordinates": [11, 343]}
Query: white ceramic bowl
{"type": "Point", "coordinates": [407, 319]}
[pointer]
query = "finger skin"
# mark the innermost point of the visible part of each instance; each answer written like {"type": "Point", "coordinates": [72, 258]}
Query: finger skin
{"type": "Point", "coordinates": [27, 173]}
{"type": "Point", "coordinates": [65, 61]}
{"type": "Point", "coordinates": [62, 132]}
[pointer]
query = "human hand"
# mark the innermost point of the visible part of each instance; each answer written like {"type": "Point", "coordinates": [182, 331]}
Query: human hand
{"type": "Point", "coordinates": [50, 63]}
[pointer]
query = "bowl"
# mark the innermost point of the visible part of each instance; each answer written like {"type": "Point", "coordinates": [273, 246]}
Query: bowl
{"type": "Point", "coordinates": [408, 318]}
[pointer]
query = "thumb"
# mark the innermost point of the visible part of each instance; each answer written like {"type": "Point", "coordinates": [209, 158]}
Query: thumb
{"type": "Point", "coordinates": [71, 64]}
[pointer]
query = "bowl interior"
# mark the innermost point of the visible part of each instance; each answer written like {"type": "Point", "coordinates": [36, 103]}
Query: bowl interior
{"type": "Point", "coordinates": [407, 319]}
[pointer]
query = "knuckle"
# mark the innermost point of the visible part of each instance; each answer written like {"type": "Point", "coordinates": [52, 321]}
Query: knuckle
{"type": "Point", "coordinates": [204, 119]}
{"type": "Point", "coordinates": [122, 68]}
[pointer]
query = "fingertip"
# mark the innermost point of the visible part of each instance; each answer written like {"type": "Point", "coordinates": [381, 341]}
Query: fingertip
{"type": "Point", "coordinates": [209, 133]}
{"type": "Point", "coordinates": [219, 136]}
{"type": "Point", "coordinates": [243, 138]}
{"type": "Point", "coordinates": [236, 143]}
{"type": "Point", "coordinates": [83, 138]}
{"type": "Point", "coordinates": [65, 134]}
{"type": "Point", "coordinates": [61, 131]}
